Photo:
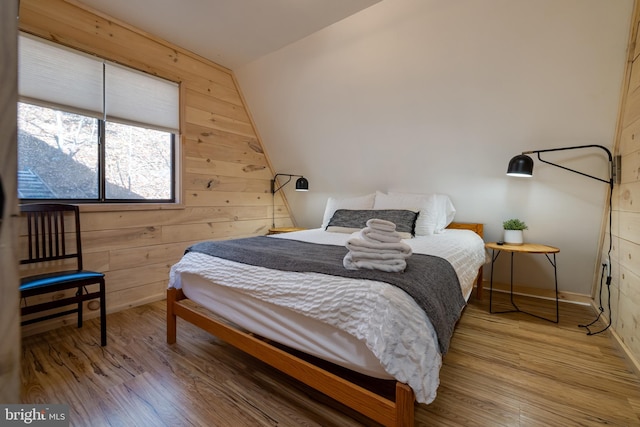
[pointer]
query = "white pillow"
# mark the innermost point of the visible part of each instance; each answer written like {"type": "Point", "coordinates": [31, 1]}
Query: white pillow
{"type": "Point", "coordinates": [447, 211]}
{"type": "Point", "coordinates": [436, 210]}
{"type": "Point", "coordinates": [333, 204]}
{"type": "Point", "coordinates": [427, 220]}
{"type": "Point", "coordinates": [398, 200]}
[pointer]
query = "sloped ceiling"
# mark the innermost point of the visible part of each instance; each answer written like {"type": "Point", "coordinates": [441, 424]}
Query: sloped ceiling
{"type": "Point", "coordinates": [230, 32]}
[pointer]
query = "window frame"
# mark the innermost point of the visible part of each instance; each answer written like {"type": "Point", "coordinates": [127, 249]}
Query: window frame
{"type": "Point", "coordinates": [101, 172]}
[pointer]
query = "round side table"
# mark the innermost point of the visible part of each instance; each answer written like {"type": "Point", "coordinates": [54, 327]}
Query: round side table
{"type": "Point", "coordinates": [526, 248]}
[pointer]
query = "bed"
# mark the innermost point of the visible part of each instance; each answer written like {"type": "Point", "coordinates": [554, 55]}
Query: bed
{"type": "Point", "coordinates": [339, 334]}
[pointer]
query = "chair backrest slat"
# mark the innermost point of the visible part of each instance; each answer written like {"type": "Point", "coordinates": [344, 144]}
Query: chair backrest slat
{"type": "Point", "coordinates": [63, 243]}
{"type": "Point", "coordinates": [47, 234]}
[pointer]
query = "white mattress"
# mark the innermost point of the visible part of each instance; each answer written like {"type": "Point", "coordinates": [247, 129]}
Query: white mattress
{"type": "Point", "coordinates": [370, 327]}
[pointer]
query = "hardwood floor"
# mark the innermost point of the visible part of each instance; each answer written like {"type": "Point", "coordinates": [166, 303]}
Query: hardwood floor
{"type": "Point", "coordinates": [502, 370]}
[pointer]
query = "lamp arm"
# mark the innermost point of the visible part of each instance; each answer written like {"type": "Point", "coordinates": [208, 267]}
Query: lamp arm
{"type": "Point", "coordinates": [274, 190]}
{"type": "Point", "coordinates": [611, 169]}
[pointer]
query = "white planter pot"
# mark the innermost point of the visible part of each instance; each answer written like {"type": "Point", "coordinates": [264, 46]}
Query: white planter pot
{"type": "Point", "coordinates": [513, 237]}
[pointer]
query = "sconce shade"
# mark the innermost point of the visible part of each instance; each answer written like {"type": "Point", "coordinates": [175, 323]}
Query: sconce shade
{"type": "Point", "coordinates": [302, 184]}
{"type": "Point", "coordinates": [520, 165]}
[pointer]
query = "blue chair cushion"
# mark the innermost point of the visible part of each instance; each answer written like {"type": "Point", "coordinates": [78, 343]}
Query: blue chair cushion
{"type": "Point", "coordinates": [57, 278]}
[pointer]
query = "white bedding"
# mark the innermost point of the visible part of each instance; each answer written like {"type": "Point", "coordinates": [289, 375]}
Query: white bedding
{"type": "Point", "coordinates": [372, 325]}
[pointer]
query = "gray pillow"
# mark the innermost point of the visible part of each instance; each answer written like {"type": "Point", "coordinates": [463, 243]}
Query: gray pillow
{"type": "Point", "coordinates": [349, 221]}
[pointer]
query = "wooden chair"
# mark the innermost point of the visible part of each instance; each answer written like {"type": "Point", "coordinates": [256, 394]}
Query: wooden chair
{"type": "Point", "coordinates": [52, 244]}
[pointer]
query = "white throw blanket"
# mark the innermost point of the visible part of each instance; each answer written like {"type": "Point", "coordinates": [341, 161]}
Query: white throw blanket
{"type": "Point", "coordinates": [377, 247]}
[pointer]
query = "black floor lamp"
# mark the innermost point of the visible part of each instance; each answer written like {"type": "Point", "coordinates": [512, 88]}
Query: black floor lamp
{"type": "Point", "coordinates": [522, 165]}
{"type": "Point", "coordinates": [301, 185]}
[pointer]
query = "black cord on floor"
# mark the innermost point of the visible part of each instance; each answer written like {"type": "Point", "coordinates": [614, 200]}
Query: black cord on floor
{"type": "Point", "coordinates": [600, 308]}
{"type": "Point", "coordinates": [606, 267]}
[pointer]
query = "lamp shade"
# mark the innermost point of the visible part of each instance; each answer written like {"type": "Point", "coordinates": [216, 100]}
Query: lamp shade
{"type": "Point", "coordinates": [302, 184]}
{"type": "Point", "coordinates": [520, 165]}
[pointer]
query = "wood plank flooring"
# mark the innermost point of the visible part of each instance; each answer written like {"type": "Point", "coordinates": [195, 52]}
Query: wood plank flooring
{"type": "Point", "coordinates": [502, 370]}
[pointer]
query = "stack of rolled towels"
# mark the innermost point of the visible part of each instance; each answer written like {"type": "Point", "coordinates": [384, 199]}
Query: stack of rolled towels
{"type": "Point", "coordinates": [378, 246]}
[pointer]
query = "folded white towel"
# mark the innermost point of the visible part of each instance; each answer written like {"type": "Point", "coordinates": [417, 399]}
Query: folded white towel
{"type": "Point", "coordinates": [392, 265]}
{"type": "Point", "coordinates": [378, 236]}
{"type": "Point", "coordinates": [387, 255]}
{"type": "Point", "coordinates": [377, 247]}
{"type": "Point", "coordinates": [361, 245]}
{"type": "Point", "coordinates": [381, 225]}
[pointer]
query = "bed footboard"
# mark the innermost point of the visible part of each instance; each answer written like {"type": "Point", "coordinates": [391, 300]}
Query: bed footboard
{"type": "Point", "coordinates": [396, 413]}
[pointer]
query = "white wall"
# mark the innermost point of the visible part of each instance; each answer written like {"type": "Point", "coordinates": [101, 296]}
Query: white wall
{"type": "Point", "coordinates": [437, 96]}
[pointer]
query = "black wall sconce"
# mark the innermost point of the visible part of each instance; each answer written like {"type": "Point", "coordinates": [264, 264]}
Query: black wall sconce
{"type": "Point", "coordinates": [522, 165]}
{"type": "Point", "coordinates": [301, 185]}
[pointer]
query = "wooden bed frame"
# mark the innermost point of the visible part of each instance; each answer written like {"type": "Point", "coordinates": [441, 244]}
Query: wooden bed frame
{"type": "Point", "coordinates": [397, 411]}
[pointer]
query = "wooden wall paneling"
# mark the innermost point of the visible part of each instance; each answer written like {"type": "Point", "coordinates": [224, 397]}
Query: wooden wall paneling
{"type": "Point", "coordinates": [197, 156]}
{"type": "Point", "coordinates": [141, 294]}
{"type": "Point", "coordinates": [212, 144]}
{"type": "Point", "coordinates": [123, 259]}
{"type": "Point", "coordinates": [223, 214]}
{"type": "Point", "coordinates": [201, 166]}
{"type": "Point", "coordinates": [188, 215]}
{"type": "Point", "coordinates": [215, 231]}
{"type": "Point", "coordinates": [630, 228]}
{"type": "Point", "coordinates": [626, 324]}
{"type": "Point", "coordinates": [220, 198]}
{"type": "Point", "coordinates": [97, 261]}
{"type": "Point", "coordinates": [630, 138]}
{"type": "Point", "coordinates": [215, 90]}
{"type": "Point", "coordinates": [610, 297]}
{"type": "Point", "coordinates": [96, 221]}
{"type": "Point", "coordinates": [137, 276]}
{"type": "Point", "coordinates": [224, 169]}
{"type": "Point", "coordinates": [630, 282]}
{"type": "Point", "coordinates": [211, 182]}
{"type": "Point", "coordinates": [631, 172]}
{"type": "Point", "coordinates": [625, 286]}
{"type": "Point", "coordinates": [198, 165]}
{"type": "Point", "coordinates": [632, 108]}
{"type": "Point", "coordinates": [205, 102]}
{"type": "Point", "coordinates": [635, 46]}
{"type": "Point", "coordinates": [216, 121]}
{"type": "Point", "coordinates": [628, 195]}
{"type": "Point", "coordinates": [120, 238]}
{"type": "Point", "coordinates": [634, 80]}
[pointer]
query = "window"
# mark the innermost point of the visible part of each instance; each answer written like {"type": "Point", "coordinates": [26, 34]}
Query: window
{"type": "Point", "coordinates": [92, 131]}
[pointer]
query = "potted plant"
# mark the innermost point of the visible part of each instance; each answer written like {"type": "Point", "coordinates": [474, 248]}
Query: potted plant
{"type": "Point", "coordinates": [513, 229]}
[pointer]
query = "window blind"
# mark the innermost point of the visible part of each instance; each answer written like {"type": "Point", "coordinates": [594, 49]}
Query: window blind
{"type": "Point", "coordinates": [140, 99]}
{"type": "Point", "coordinates": [56, 76]}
